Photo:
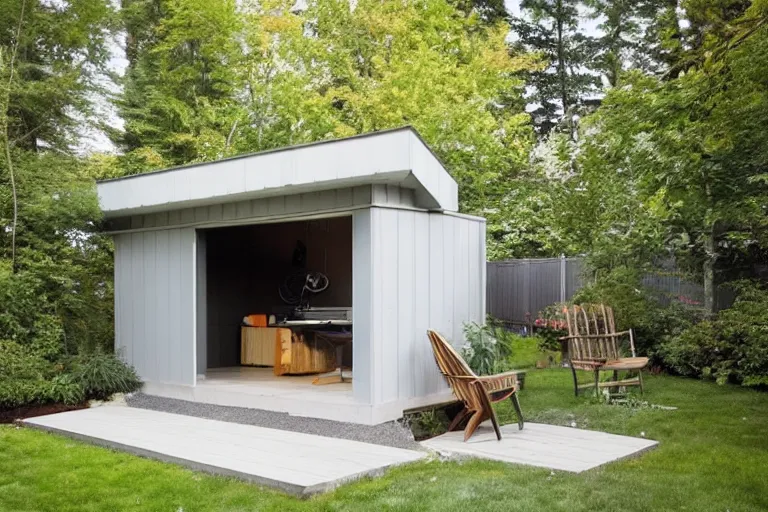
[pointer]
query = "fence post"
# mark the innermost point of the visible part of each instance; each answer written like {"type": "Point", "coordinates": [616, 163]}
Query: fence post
{"type": "Point", "coordinates": [563, 277]}
{"type": "Point", "coordinates": [527, 293]}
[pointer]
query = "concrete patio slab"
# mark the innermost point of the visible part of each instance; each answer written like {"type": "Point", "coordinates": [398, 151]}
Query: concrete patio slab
{"type": "Point", "coordinates": [300, 464]}
{"type": "Point", "coordinates": [547, 446]}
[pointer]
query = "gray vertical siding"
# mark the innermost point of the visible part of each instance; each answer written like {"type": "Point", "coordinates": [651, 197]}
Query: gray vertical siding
{"type": "Point", "coordinates": [155, 306]}
{"type": "Point", "coordinates": [362, 290]}
{"type": "Point", "coordinates": [429, 273]}
{"type": "Point", "coordinates": [202, 304]}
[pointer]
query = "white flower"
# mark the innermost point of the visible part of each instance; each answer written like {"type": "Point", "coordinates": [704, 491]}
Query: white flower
{"type": "Point", "coordinates": [573, 424]}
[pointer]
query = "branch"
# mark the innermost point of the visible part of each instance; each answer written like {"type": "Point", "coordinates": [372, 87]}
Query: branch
{"type": "Point", "coordinates": [229, 137]}
{"type": "Point", "coordinates": [7, 138]}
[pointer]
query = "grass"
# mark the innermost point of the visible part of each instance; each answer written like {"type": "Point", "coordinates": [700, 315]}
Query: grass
{"type": "Point", "coordinates": [713, 456]}
{"type": "Point", "coordinates": [526, 353]}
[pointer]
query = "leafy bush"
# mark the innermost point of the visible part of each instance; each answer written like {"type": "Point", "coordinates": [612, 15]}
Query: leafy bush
{"type": "Point", "coordinates": [639, 309]}
{"type": "Point", "coordinates": [733, 347]}
{"type": "Point", "coordinates": [28, 378]}
{"type": "Point", "coordinates": [47, 337]}
{"type": "Point", "coordinates": [550, 327]}
{"type": "Point", "coordinates": [488, 348]}
{"type": "Point", "coordinates": [17, 362]}
{"type": "Point", "coordinates": [101, 375]}
{"type": "Point", "coordinates": [64, 388]}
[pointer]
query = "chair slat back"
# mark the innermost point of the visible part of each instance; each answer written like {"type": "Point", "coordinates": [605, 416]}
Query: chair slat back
{"type": "Point", "coordinates": [586, 322]}
{"type": "Point", "coordinates": [455, 370]}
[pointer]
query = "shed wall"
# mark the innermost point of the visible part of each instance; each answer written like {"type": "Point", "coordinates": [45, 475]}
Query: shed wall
{"type": "Point", "coordinates": [271, 208]}
{"type": "Point", "coordinates": [429, 272]}
{"type": "Point", "coordinates": [154, 304]}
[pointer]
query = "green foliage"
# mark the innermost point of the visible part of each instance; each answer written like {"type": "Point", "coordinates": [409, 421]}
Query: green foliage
{"type": "Point", "coordinates": [429, 423]}
{"type": "Point", "coordinates": [29, 377]}
{"type": "Point", "coordinates": [16, 362]}
{"type": "Point", "coordinates": [551, 326]}
{"type": "Point", "coordinates": [62, 287]}
{"type": "Point", "coordinates": [26, 377]}
{"type": "Point", "coordinates": [267, 75]}
{"type": "Point", "coordinates": [60, 55]}
{"type": "Point", "coordinates": [638, 308]}
{"type": "Point", "coordinates": [552, 28]}
{"type": "Point", "coordinates": [102, 375]}
{"type": "Point", "coordinates": [488, 348]}
{"type": "Point", "coordinates": [672, 163]}
{"type": "Point", "coordinates": [732, 347]}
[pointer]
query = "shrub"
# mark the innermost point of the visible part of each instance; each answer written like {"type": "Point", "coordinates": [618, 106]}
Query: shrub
{"type": "Point", "coordinates": [488, 348]}
{"type": "Point", "coordinates": [101, 375]}
{"type": "Point", "coordinates": [551, 326]}
{"type": "Point", "coordinates": [733, 347]}
{"type": "Point", "coordinates": [19, 363]}
{"type": "Point", "coordinates": [27, 378]}
{"type": "Point", "coordinates": [64, 388]}
{"type": "Point", "coordinates": [638, 308]}
{"type": "Point", "coordinates": [47, 337]}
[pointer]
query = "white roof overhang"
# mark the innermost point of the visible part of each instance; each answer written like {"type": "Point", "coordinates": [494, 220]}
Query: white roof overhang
{"type": "Point", "coordinates": [396, 157]}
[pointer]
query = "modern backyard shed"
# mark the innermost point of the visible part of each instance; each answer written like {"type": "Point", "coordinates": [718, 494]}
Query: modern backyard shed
{"type": "Point", "coordinates": [252, 281]}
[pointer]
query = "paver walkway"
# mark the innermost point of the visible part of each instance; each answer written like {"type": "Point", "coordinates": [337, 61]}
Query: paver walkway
{"type": "Point", "coordinates": [301, 464]}
{"type": "Point", "coordinates": [548, 446]}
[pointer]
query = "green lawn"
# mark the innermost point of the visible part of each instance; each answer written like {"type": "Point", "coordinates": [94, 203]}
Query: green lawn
{"type": "Point", "coordinates": [713, 456]}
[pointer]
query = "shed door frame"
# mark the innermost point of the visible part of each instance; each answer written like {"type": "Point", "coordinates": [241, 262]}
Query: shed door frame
{"type": "Point", "coordinates": [361, 294]}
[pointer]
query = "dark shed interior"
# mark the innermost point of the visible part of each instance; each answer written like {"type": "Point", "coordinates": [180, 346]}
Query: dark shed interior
{"type": "Point", "coordinates": [245, 266]}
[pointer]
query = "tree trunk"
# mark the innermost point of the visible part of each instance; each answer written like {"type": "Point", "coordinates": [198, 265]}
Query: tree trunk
{"type": "Point", "coordinates": [5, 114]}
{"type": "Point", "coordinates": [561, 71]}
{"type": "Point", "coordinates": [710, 256]}
{"type": "Point", "coordinates": [561, 57]}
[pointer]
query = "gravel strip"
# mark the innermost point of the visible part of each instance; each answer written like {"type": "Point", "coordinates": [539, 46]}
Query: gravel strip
{"type": "Point", "coordinates": [387, 434]}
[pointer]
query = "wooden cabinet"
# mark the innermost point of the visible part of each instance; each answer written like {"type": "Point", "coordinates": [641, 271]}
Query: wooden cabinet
{"type": "Point", "coordinates": [290, 352]}
{"type": "Point", "coordinates": [257, 345]}
{"type": "Point", "coordinates": [302, 353]}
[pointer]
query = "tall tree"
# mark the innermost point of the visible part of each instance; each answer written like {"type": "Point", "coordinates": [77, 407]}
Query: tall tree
{"type": "Point", "coordinates": [675, 165]}
{"type": "Point", "coordinates": [331, 69]}
{"type": "Point", "coordinates": [54, 269]}
{"type": "Point", "coordinates": [551, 27]}
{"type": "Point", "coordinates": [631, 35]}
{"type": "Point", "coordinates": [178, 88]}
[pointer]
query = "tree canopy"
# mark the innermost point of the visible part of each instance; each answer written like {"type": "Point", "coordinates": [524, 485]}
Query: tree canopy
{"type": "Point", "coordinates": [642, 141]}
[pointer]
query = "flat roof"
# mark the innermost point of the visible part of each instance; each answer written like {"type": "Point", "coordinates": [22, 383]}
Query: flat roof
{"type": "Point", "coordinates": [392, 157]}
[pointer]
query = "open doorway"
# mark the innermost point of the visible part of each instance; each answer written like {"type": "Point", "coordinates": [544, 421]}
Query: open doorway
{"type": "Point", "coordinates": [259, 283]}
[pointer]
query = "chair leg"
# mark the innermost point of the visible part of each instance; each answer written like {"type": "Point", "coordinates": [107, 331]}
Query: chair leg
{"type": "Point", "coordinates": [640, 378]}
{"type": "Point", "coordinates": [458, 419]}
{"type": "Point", "coordinates": [474, 422]}
{"type": "Point", "coordinates": [575, 381]}
{"type": "Point", "coordinates": [597, 382]}
{"type": "Point", "coordinates": [495, 424]}
{"type": "Point", "coordinates": [518, 411]}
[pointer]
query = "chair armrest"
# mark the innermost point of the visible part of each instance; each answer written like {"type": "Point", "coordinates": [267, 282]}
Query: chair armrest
{"type": "Point", "coordinates": [594, 336]}
{"type": "Point", "coordinates": [589, 362]}
{"type": "Point", "coordinates": [500, 382]}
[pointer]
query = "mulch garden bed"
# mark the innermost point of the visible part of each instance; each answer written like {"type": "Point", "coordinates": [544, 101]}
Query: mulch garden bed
{"type": "Point", "coordinates": [30, 411]}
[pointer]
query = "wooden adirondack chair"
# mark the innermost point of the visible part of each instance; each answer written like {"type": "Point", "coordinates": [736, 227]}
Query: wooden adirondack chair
{"type": "Point", "coordinates": [593, 345]}
{"type": "Point", "coordinates": [476, 392]}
